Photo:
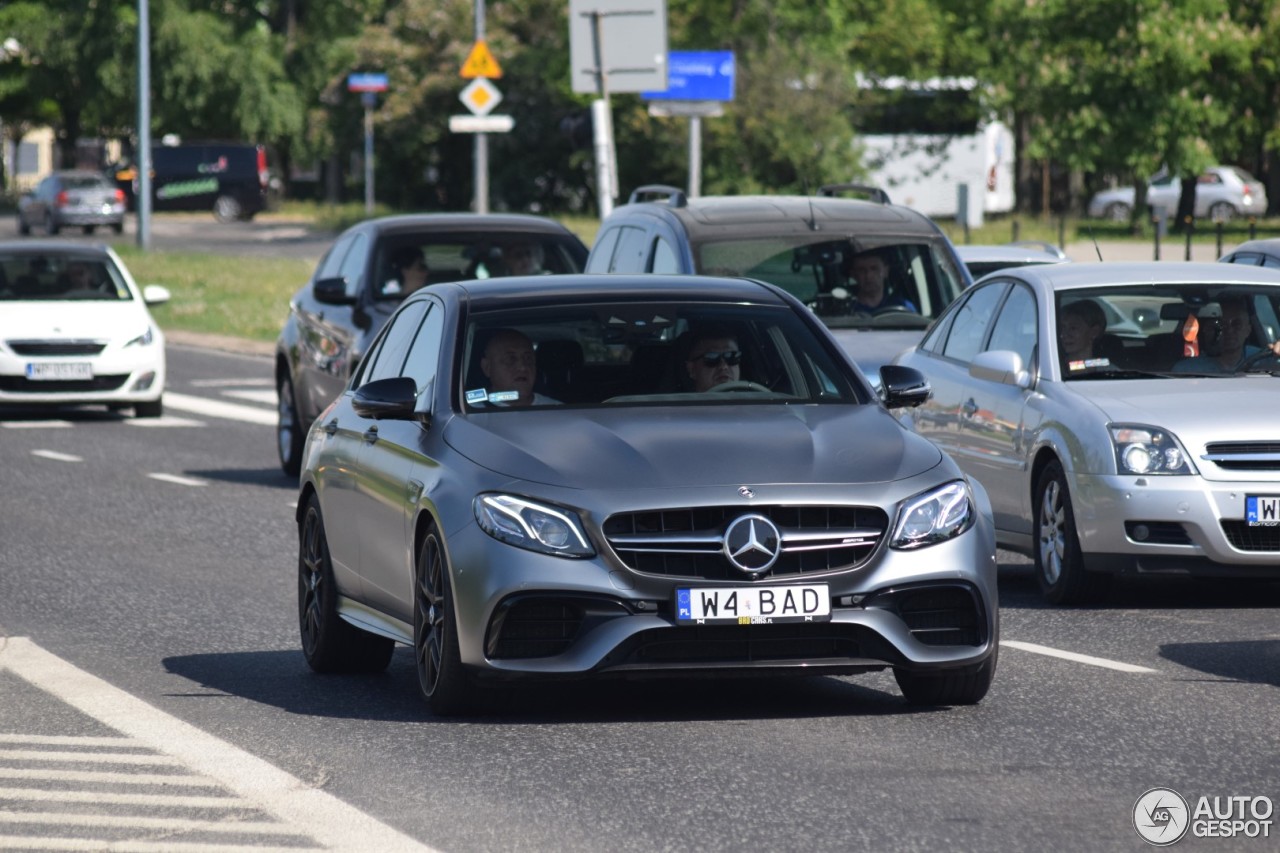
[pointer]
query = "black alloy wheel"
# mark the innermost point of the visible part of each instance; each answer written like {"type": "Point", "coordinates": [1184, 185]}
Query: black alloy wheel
{"type": "Point", "coordinates": [289, 433]}
{"type": "Point", "coordinates": [445, 686]}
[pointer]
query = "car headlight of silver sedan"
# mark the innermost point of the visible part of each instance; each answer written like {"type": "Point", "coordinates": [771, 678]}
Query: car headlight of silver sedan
{"type": "Point", "coordinates": [537, 527]}
{"type": "Point", "coordinates": [143, 340]}
{"type": "Point", "coordinates": [1142, 449]}
{"type": "Point", "coordinates": [934, 516]}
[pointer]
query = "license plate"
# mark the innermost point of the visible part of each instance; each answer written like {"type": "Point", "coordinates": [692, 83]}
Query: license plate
{"type": "Point", "coordinates": [60, 370]}
{"type": "Point", "coordinates": [1262, 510]}
{"type": "Point", "coordinates": [753, 605]}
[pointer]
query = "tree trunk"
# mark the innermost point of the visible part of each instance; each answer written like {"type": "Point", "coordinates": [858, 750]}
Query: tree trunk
{"type": "Point", "coordinates": [1186, 205]}
{"type": "Point", "coordinates": [1139, 213]}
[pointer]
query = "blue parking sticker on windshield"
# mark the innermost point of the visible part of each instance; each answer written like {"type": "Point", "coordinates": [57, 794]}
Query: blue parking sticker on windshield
{"type": "Point", "coordinates": [477, 396]}
{"type": "Point", "coordinates": [504, 396]}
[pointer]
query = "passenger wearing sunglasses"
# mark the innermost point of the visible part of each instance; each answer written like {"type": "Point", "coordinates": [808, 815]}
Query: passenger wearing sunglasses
{"type": "Point", "coordinates": [409, 271]}
{"type": "Point", "coordinates": [714, 359]}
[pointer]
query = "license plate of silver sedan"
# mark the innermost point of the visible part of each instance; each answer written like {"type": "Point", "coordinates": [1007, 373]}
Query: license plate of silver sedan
{"type": "Point", "coordinates": [1262, 510]}
{"type": "Point", "coordinates": [569, 477]}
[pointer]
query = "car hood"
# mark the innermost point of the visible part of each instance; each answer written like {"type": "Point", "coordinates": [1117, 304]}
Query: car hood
{"type": "Point", "coordinates": [872, 348]}
{"type": "Point", "coordinates": [704, 446]}
{"type": "Point", "coordinates": [80, 319]}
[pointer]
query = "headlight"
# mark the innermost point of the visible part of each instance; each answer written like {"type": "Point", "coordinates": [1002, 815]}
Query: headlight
{"type": "Point", "coordinates": [935, 516]}
{"type": "Point", "coordinates": [144, 339]}
{"type": "Point", "coordinates": [530, 525]}
{"type": "Point", "coordinates": [1144, 449]}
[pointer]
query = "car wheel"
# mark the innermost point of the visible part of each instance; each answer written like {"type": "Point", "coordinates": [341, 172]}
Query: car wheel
{"type": "Point", "coordinates": [445, 686]}
{"type": "Point", "coordinates": [23, 227]}
{"type": "Point", "coordinates": [948, 688]}
{"type": "Point", "coordinates": [118, 227]}
{"type": "Point", "coordinates": [1117, 211]}
{"type": "Point", "coordinates": [149, 408]}
{"type": "Point", "coordinates": [226, 209]}
{"type": "Point", "coordinates": [89, 229]}
{"type": "Point", "coordinates": [1059, 562]}
{"type": "Point", "coordinates": [289, 433]}
{"type": "Point", "coordinates": [328, 643]}
{"type": "Point", "coordinates": [51, 226]}
{"type": "Point", "coordinates": [1222, 211]}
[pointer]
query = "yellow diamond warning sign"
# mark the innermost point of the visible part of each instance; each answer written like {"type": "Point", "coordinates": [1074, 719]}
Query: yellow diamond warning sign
{"type": "Point", "coordinates": [480, 63]}
{"type": "Point", "coordinates": [480, 96]}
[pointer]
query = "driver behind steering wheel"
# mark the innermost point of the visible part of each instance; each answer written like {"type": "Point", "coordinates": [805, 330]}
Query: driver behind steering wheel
{"type": "Point", "coordinates": [714, 358]}
{"type": "Point", "coordinates": [868, 273]}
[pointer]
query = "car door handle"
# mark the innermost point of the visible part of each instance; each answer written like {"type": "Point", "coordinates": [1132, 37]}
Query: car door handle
{"type": "Point", "coordinates": [331, 428]}
{"type": "Point", "coordinates": [371, 434]}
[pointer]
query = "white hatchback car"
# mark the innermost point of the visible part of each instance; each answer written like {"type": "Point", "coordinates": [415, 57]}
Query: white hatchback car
{"type": "Point", "coordinates": [75, 329]}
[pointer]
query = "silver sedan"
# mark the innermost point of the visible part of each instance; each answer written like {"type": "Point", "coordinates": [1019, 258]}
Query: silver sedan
{"type": "Point", "coordinates": [1123, 417]}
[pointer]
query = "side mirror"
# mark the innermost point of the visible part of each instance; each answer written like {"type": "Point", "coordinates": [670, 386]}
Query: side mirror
{"type": "Point", "coordinates": [394, 399]}
{"type": "Point", "coordinates": [155, 294]}
{"type": "Point", "coordinates": [1003, 366]}
{"type": "Point", "coordinates": [902, 386]}
{"type": "Point", "coordinates": [332, 291]}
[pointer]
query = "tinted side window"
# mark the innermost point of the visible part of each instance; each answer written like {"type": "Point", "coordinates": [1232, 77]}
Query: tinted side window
{"type": "Point", "coordinates": [602, 254]}
{"type": "Point", "coordinates": [1015, 328]}
{"type": "Point", "coordinates": [972, 321]}
{"type": "Point", "coordinates": [424, 355]}
{"type": "Point", "coordinates": [390, 358]}
{"type": "Point", "coordinates": [354, 264]}
{"type": "Point", "coordinates": [1270, 262]}
{"type": "Point", "coordinates": [665, 261]}
{"type": "Point", "coordinates": [331, 266]}
{"type": "Point", "coordinates": [1250, 258]}
{"type": "Point", "coordinates": [630, 254]}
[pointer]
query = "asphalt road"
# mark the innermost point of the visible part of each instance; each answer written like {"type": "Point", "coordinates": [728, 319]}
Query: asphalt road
{"type": "Point", "coordinates": [152, 693]}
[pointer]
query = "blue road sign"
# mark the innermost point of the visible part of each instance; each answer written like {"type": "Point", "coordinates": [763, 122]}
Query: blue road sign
{"type": "Point", "coordinates": [367, 82]}
{"type": "Point", "coordinates": [705, 75]}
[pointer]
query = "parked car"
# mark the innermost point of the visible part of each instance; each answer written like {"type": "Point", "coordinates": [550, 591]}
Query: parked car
{"type": "Point", "coordinates": [981, 259]}
{"type": "Point", "coordinates": [806, 245]}
{"type": "Point", "coordinates": [234, 180]}
{"type": "Point", "coordinates": [72, 197]}
{"type": "Point", "coordinates": [75, 329]}
{"type": "Point", "coordinates": [1222, 193]}
{"type": "Point", "coordinates": [779, 522]}
{"type": "Point", "coordinates": [359, 283]}
{"type": "Point", "coordinates": [1153, 450]}
{"type": "Point", "coordinates": [1258, 253]}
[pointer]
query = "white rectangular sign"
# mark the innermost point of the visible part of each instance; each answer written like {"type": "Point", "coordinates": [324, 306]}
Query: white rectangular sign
{"type": "Point", "coordinates": [481, 124]}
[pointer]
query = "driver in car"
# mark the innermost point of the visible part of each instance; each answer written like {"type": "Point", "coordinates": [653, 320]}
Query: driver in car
{"type": "Point", "coordinates": [869, 272]}
{"type": "Point", "coordinates": [714, 358]}
{"type": "Point", "coordinates": [1224, 328]}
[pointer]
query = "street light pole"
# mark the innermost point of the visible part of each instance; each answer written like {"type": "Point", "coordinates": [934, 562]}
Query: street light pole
{"type": "Point", "coordinates": [480, 147]}
{"type": "Point", "coordinates": [142, 162]}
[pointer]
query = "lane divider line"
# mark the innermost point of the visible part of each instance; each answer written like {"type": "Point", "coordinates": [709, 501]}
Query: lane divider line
{"type": "Point", "coordinates": [1075, 656]}
{"type": "Point", "coordinates": [219, 409]}
{"type": "Point", "coordinates": [56, 456]}
{"type": "Point", "coordinates": [36, 424]}
{"type": "Point", "coordinates": [181, 481]}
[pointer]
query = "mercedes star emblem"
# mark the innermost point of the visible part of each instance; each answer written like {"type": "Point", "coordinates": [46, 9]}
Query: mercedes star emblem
{"type": "Point", "coordinates": [752, 543]}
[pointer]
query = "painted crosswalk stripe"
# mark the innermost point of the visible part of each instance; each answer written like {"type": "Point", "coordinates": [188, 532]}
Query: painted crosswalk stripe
{"type": "Point", "coordinates": [56, 456]}
{"type": "Point", "coordinates": [165, 421]}
{"type": "Point", "coordinates": [219, 409]}
{"type": "Point", "coordinates": [66, 820]}
{"type": "Point", "coordinates": [40, 774]}
{"type": "Point", "coordinates": [181, 481]}
{"type": "Point", "coordinates": [231, 383]}
{"type": "Point", "coordinates": [266, 397]}
{"type": "Point", "coordinates": [86, 757]}
{"type": "Point", "coordinates": [37, 424]}
{"type": "Point", "coordinates": [1075, 656]}
{"type": "Point", "coordinates": [23, 842]}
{"type": "Point", "coordinates": [36, 795]}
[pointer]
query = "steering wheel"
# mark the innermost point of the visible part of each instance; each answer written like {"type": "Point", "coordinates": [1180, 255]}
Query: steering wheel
{"type": "Point", "coordinates": [1257, 358]}
{"type": "Point", "coordinates": [738, 385]}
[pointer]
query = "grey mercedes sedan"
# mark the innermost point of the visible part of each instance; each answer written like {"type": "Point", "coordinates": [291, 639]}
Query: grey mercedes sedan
{"type": "Point", "coordinates": [574, 476]}
{"type": "Point", "coordinates": [1123, 417]}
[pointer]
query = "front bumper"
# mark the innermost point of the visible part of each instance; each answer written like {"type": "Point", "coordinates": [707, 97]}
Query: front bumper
{"type": "Point", "coordinates": [1183, 524]}
{"type": "Point", "coordinates": [91, 215]}
{"type": "Point", "coordinates": [133, 374]}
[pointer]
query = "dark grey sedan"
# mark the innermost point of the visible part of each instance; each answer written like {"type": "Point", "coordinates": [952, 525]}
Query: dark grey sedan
{"type": "Point", "coordinates": [74, 197]}
{"type": "Point", "coordinates": [570, 476]}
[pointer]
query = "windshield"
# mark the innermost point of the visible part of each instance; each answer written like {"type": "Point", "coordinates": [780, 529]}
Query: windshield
{"type": "Point", "coordinates": [57, 276]}
{"type": "Point", "coordinates": [847, 283]}
{"type": "Point", "coordinates": [410, 261]}
{"type": "Point", "coordinates": [632, 353]}
{"type": "Point", "coordinates": [1198, 329]}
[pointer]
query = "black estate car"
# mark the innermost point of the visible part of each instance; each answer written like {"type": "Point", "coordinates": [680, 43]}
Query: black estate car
{"type": "Point", "coordinates": [875, 272]}
{"type": "Point", "coordinates": [366, 273]}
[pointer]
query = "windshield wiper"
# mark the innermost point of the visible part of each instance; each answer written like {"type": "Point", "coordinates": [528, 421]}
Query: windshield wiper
{"type": "Point", "coordinates": [1123, 373]}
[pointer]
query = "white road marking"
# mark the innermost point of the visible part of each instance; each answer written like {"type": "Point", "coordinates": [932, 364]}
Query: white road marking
{"type": "Point", "coordinates": [323, 817]}
{"type": "Point", "coordinates": [231, 383]}
{"type": "Point", "coordinates": [134, 758]}
{"type": "Point", "coordinates": [23, 842]}
{"type": "Point", "coordinates": [65, 819]}
{"type": "Point", "coordinates": [1074, 656]}
{"type": "Point", "coordinates": [63, 740]}
{"type": "Point", "coordinates": [56, 456]}
{"type": "Point", "coordinates": [36, 424]}
{"type": "Point", "coordinates": [181, 481]}
{"type": "Point", "coordinates": [42, 774]}
{"type": "Point", "coordinates": [164, 421]}
{"type": "Point", "coordinates": [219, 409]}
{"type": "Point", "coordinates": [36, 795]}
{"type": "Point", "coordinates": [267, 398]}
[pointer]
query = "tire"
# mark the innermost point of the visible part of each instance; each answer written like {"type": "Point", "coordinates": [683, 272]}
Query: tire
{"type": "Point", "coordinates": [1117, 211]}
{"type": "Point", "coordinates": [289, 432]}
{"type": "Point", "coordinates": [1221, 211]}
{"type": "Point", "coordinates": [89, 229]}
{"type": "Point", "coordinates": [1059, 561]}
{"type": "Point", "coordinates": [23, 227]}
{"type": "Point", "coordinates": [51, 226]}
{"type": "Point", "coordinates": [149, 408]}
{"type": "Point", "coordinates": [118, 227]}
{"type": "Point", "coordinates": [226, 209]}
{"type": "Point", "coordinates": [444, 684]}
{"type": "Point", "coordinates": [328, 643]}
{"type": "Point", "coordinates": [948, 688]}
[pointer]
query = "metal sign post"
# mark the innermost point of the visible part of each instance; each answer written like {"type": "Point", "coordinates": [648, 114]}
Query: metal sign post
{"type": "Point", "coordinates": [698, 83]}
{"type": "Point", "coordinates": [142, 160]}
{"type": "Point", "coordinates": [368, 85]}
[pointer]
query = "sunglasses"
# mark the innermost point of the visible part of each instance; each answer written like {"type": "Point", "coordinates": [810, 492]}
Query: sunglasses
{"type": "Point", "coordinates": [730, 357]}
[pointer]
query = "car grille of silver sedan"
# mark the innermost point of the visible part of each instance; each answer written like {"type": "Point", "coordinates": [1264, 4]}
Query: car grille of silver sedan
{"type": "Point", "coordinates": [1244, 455]}
{"type": "Point", "coordinates": [689, 542]}
{"type": "Point", "coordinates": [56, 347]}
